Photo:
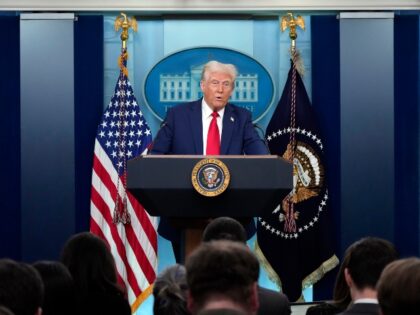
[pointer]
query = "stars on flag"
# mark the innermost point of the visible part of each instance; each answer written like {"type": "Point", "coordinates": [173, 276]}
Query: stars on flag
{"type": "Point", "coordinates": [123, 128]}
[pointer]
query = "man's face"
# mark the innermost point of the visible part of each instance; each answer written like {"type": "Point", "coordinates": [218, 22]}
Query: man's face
{"type": "Point", "coordinates": [217, 87]}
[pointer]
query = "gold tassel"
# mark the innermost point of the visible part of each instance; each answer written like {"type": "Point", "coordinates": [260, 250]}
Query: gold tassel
{"type": "Point", "coordinates": [123, 57]}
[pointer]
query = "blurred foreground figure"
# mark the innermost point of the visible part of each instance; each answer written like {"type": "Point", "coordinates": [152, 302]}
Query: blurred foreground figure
{"type": "Point", "coordinates": [221, 276]}
{"type": "Point", "coordinates": [399, 288]}
{"type": "Point", "coordinates": [93, 269]}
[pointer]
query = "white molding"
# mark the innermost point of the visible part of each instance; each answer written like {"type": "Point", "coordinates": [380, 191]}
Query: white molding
{"type": "Point", "coordinates": [366, 15]}
{"type": "Point", "coordinates": [206, 6]}
{"type": "Point", "coordinates": [47, 16]}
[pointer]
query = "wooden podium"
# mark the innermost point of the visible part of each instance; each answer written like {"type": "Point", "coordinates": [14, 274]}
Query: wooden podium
{"type": "Point", "coordinates": [163, 185]}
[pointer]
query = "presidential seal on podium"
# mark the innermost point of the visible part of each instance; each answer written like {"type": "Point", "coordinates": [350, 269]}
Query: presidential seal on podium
{"type": "Point", "coordinates": [210, 177]}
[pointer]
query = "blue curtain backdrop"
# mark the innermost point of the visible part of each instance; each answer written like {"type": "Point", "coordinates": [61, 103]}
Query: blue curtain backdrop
{"type": "Point", "coordinates": [88, 107]}
{"type": "Point", "coordinates": [89, 73]}
{"type": "Point", "coordinates": [406, 36]}
{"type": "Point", "coordinates": [326, 101]}
{"type": "Point", "coordinates": [10, 221]}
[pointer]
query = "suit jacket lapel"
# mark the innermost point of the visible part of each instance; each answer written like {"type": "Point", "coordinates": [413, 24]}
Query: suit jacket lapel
{"type": "Point", "coordinates": [196, 123]}
{"type": "Point", "coordinates": [229, 118]}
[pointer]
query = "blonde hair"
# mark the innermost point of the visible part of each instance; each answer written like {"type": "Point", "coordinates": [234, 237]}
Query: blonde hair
{"type": "Point", "coordinates": [215, 66]}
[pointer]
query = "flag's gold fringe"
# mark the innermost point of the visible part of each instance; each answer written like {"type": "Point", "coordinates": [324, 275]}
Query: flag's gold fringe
{"type": "Point", "coordinates": [313, 278]}
{"type": "Point", "coordinates": [121, 59]}
{"type": "Point", "coordinates": [317, 275]}
{"type": "Point", "coordinates": [141, 298]}
{"type": "Point", "coordinates": [272, 275]}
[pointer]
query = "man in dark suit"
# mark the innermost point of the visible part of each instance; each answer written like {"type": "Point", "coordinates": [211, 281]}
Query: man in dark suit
{"type": "Point", "coordinates": [225, 228]}
{"type": "Point", "coordinates": [367, 258]}
{"type": "Point", "coordinates": [186, 127]}
{"type": "Point", "coordinates": [209, 126]}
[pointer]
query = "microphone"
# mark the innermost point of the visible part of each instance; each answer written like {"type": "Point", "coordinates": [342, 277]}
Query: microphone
{"type": "Point", "coordinates": [263, 139]}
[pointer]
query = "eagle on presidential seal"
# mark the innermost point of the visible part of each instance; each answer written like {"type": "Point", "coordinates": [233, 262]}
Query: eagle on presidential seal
{"type": "Point", "coordinates": [308, 179]}
{"type": "Point", "coordinates": [210, 177]}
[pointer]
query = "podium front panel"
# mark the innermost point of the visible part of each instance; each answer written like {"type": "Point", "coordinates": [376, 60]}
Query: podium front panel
{"type": "Point", "coordinates": [163, 185]}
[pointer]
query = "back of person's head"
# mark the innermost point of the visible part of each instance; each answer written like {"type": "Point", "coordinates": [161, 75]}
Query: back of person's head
{"type": "Point", "coordinates": [222, 269]}
{"type": "Point", "coordinates": [399, 288]}
{"type": "Point", "coordinates": [21, 288]}
{"type": "Point", "coordinates": [367, 258]}
{"type": "Point", "coordinates": [224, 228]}
{"type": "Point", "coordinates": [90, 263]}
{"type": "Point", "coordinates": [221, 311]}
{"type": "Point", "coordinates": [323, 308]}
{"type": "Point", "coordinates": [170, 292]}
{"type": "Point", "coordinates": [59, 290]}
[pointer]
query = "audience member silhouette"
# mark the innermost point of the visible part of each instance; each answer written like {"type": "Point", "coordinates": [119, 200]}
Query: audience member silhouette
{"type": "Point", "coordinates": [59, 290]}
{"type": "Point", "coordinates": [399, 287]}
{"type": "Point", "coordinates": [222, 275]}
{"type": "Point", "coordinates": [93, 270]}
{"type": "Point", "coordinates": [170, 292]}
{"type": "Point", "coordinates": [226, 228]}
{"type": "Point", "coordinates": [367, 258]}
{"type": "Point", "coordinates": [21, 288]}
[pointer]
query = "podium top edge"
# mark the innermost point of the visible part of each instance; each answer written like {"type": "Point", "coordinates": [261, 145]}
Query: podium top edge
{"type": "Point", "coordinates": [158, 156]}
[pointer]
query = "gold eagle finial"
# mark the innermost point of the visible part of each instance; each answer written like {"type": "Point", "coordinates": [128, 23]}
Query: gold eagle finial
{"type": "Point", "coordinates": [125, 23]}
{"type": "Point", "coordinates": [289, 21]}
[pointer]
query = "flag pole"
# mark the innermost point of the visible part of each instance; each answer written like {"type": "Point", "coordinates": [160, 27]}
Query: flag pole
{"type": "Point", "coordinates": [289, 21]}
{"type": "Point", "coordinates": [121, 214]}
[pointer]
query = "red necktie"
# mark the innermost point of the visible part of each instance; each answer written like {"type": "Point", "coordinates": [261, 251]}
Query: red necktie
{"type": "Point", "coordinates": [213, 137]}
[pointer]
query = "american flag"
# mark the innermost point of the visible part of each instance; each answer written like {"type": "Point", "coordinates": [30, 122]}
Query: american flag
{"type": "Point", "coordinates": [122, 222]}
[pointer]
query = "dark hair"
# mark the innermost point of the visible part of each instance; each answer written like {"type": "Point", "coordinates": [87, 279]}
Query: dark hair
{"type": "Point", "coordinates": [323, 308]}
{"type": "Point", "coordinates": [399, 287]}
{"type": "Point", "coordinates": [367, 258]}
{"type": "Point", "coordinates": [341, 291]}
{"type": "Point", "coordinates": [170, 292]}
{"type": "Point", "coordinates": [90, 263]}
{"type": "Point", "coordinates": [224, 228]}
{"type": "Point", "coordinates": [59, 289]}
{"type": "Point", "coordinates": [21, 288]}
{"type": "Point", "coordinates": [222, 267]}
{"type": "Point", "coordinates": [221, 311]}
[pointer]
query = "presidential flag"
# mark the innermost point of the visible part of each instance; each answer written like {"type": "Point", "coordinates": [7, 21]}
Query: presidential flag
{"type": "Point", "coordinates": [116, 216]}
{"type": "Point", "coordinates": [294, 241]}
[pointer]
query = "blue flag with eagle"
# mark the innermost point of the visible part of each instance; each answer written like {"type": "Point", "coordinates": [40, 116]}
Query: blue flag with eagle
{"type": "Point", "coordinates": [294, 241]}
